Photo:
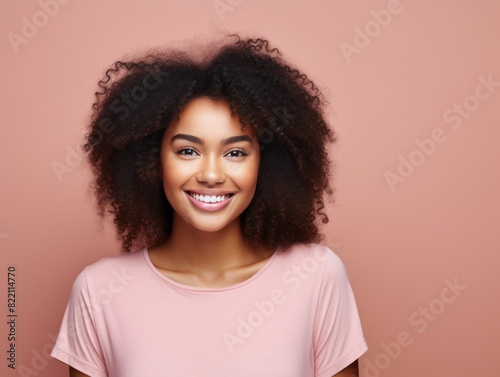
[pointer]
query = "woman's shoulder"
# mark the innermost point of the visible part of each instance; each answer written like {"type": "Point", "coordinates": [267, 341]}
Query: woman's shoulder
{"type": "Point", "coordinates": [121, 267]}
{"type": "Point", "coordinates": [317, 257]}
{"type": "Point", "coordinates": [119, 260]}
{"type": "Point", "coordinates": [318, 252]}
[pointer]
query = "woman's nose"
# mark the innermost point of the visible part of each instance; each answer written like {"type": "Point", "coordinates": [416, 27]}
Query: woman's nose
{"type": "Point", "coordinates": [211, 170]}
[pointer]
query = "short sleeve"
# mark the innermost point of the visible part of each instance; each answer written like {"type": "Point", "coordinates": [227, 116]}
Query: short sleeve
{"type": "Point", "coordinates": [77, 343]}
{"type": "Point", "coordinates": [338, 335]}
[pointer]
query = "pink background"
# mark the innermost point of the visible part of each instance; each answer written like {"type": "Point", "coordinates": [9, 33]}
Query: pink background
{"type": "Point", "coordinates": [439, 223]}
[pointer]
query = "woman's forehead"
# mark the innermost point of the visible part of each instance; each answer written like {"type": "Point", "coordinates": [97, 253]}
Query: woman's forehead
{"type": "Point", "coordinates": [209, 117]}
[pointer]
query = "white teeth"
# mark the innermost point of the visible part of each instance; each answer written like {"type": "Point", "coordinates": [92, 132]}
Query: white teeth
{"type": "Point", "coordinates": [209, 199]}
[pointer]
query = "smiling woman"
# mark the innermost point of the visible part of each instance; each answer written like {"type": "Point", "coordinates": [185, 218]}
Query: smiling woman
{"type": "Point", "coordinates": [215, 179]}
{"type": "Point", "coordinates": [209, 167]}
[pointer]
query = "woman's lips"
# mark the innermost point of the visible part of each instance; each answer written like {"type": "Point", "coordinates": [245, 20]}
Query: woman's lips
{"type": "Point", "coordinates": [215, 206]}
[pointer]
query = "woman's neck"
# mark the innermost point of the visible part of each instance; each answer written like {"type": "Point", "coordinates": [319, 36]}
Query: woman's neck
{"type": "Point", "coordinates": [208, 253]}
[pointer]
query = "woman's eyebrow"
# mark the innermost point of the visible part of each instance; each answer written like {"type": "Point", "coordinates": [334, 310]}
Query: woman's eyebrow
{"type": "Point", "coordinates": [197, 140]}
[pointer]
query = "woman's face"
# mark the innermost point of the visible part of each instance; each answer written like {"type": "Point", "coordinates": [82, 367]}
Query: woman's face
{"type": "Point", "coordinates": [206, 153]}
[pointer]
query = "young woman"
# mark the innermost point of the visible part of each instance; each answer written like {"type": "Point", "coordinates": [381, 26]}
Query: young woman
{"type": "Point", "coordinates": [214, 169]}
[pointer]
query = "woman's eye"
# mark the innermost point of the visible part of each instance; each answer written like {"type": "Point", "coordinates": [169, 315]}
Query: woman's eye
{"type": "Point", "coordinates": [237, 153]}
{"type": "Point", "coordinates": [193, 152]}
{"type": "Point", "coordinates": [186, 152]}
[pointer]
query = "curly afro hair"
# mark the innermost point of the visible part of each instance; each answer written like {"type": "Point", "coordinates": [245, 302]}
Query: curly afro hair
{"type": "Point", "coordinates": [139, 98]}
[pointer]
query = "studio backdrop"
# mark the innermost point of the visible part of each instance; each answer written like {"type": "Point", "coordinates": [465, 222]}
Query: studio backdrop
{"type": "Point", "coordinates": [414, 97]}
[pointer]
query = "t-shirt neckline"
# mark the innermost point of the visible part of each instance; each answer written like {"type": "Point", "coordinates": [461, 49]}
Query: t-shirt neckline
{"type": "Point", "coordinates": [174, 283]}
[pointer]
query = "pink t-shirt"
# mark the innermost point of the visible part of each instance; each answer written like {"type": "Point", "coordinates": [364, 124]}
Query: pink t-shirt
{"type": "Point", "coordinates": [296, 317]}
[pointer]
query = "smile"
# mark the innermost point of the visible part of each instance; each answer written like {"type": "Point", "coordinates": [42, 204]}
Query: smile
{"type": "Point", "coordinates": [209, 199]}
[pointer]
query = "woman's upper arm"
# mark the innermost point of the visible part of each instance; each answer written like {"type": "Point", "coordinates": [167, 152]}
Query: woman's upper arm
{"type": "Point", "coordinates": [349, 371]}
{"type": "Point", "coordinates": [76, 373]}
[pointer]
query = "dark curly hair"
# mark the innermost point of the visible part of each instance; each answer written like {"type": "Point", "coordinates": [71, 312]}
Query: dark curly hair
{"type": "Point", "coordinates": [137, 101]}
